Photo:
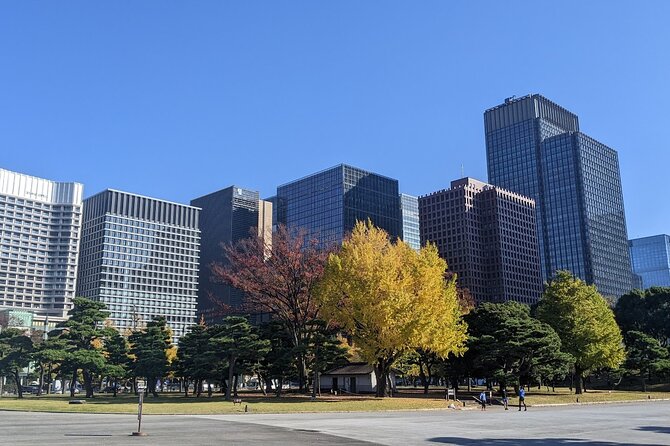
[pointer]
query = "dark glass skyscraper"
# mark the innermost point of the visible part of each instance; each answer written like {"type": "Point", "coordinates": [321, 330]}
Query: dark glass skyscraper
{"type": "Point", "coordinates": [329, 203]}
{"type": "Point", "coordinates": [226, 217]}
{"type": "Point", "coordinates": [651, 260]}
{"type": "Point", "coordinates": [534, 147]}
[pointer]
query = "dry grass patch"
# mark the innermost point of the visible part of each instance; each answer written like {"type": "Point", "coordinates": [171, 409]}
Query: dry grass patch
{"type": "Point", "coordinates": [173, 404]}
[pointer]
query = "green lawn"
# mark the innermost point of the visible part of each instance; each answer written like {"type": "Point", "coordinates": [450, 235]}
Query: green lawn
{"type": "Point", "coordinates": [408, 399]}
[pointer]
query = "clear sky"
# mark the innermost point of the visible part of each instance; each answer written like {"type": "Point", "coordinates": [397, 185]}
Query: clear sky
{"type": "Point", "coordinates": [178, 99]}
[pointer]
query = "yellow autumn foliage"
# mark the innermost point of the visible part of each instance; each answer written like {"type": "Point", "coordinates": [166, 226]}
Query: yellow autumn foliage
{"type": "Point", "coordinates": [390, 298]}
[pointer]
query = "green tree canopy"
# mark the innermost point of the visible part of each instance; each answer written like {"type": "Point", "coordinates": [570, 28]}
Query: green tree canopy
{"type": "Point", "coordinates": [150, 349]}
{"type": "Point", "coordinates": [84, 334]}
{"type": "Point", "coordinates": [235, 341]}
{"type": "Point", "coordinates": [645, 356]}
{"type": "Point", "coordinates": [584, 322]}
{"type": "Point", "coordinates": [647, 311]}
{"type": "Point", "coordinates": [15, 354]}
{"type": "Point", "coordinates": [508, 345]}
{"type": "Point", "coordinates": [117, 359]}
{"type": "Point", "coordinates": [391, 299]}
{"type": "Point", "coordinates": [196, 361]}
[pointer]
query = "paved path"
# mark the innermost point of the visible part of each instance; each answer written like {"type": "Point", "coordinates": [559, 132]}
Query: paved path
{"type": "Point", "coordinates": [600, 425]}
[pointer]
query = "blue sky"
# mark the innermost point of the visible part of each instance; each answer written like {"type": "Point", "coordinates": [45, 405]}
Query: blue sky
{"type": "Point", "coordinates": [178, 99]}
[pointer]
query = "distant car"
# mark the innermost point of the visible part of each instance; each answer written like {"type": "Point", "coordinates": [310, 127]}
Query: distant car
{"type": "Point", "coordinates": [30, 389]}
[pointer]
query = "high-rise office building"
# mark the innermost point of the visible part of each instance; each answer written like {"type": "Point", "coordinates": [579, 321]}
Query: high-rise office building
{"type": "Point", "coordinates": [139, 256]}
{"type": "Point", "coordinates": [488, 237]}
{"type": "Point", "coordinates": [328, 204]}
{"type": "Point", "coordinates": [226, 217]}
{"type": "Point", "coordinates": [409, 211]}
{"type": "Point", "coordinates": [534, 147]}
{"type": "Point", "coordinates": [40, 226]}
{"type": "Point", "coordinates": [651, 260]}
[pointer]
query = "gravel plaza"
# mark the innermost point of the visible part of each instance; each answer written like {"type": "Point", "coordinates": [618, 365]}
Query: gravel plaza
{"type": "Point", "coordinates": [645, 423]}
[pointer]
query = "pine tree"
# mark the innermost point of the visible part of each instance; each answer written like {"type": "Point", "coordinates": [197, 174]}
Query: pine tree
{"type": "Point", "coordinates": [149, 348]}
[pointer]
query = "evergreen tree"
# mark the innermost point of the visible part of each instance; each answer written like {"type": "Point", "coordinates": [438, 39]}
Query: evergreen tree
{"type": "Point", "coordinates": [15, 354]}
{"type": "Point", "coordinates": [645, 356]}
{"type": "Point", "coordinates": [149, 348]}
{"type": "Point", "coordinates": [279, 362]}
{"type": "Point", "coordinates": [118, 362]}
{"type": "Point", "coordinates": [324, 351]}
{"type": "Point", "coordinates": [83, 333]}
{"type": "Point", "coordinates": [47, 355]}
{"type": "Point", "coordinates": [236, 342]}
{"type": "Point", "coordinates": [508, 345]}
{"type": "Point", "coordinates": [647, 311]}
{"type": "Point", "coordinates": [196, 361]}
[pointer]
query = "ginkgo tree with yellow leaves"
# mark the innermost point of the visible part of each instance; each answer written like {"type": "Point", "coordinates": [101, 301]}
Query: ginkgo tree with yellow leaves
{"type": "Point", "coordinates": [391, 299]}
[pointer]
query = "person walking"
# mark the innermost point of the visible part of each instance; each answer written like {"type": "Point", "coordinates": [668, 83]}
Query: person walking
{"type": "Point", "coordinates": [482, 399]}
{"type": "Point", "coordinates": [522, 399]}
{"type": "Point", "coordinates": [505, 399]}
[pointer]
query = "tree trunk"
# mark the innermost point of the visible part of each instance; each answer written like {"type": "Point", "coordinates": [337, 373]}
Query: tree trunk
{"type": "Point", "coordinates": [268, 384]}
{"type": "Point", "coordinates": [185, 381]}
{"type": "Point", "coordinates": [382, 369]}
{"type": "Point", "coordinates": [116, 386]}
{"type": "Point", "coordinates": [644, 383]}
{"type": "Point", "coordinates": [154, 381]}
{"type": "Point", "coordinates": [578, 381]}
{"type": "Point", "coordinates": [39, 390]}
{"type": "Point", "coordinates": [315, 384]}
{"type": "Point", "coordinates": [584, 384]}
{"type": "Point", "coordinates": [262, 383]}
{"type": "Point", "coordinates": [280, 382]}
{"type": "Point", "coordinates": [17, 379]}
{"type": "Point", "coordinates": [231, 370]}
{"type": "Point", "coordinates": [49, 381]}
{"type": "Point", "coordinates": [88, 383]}
{"type": "Point", "coordinates": [429, 374]}
{"type": "Point", "coordinates": [235, 384]}
{"type": "Point", "coordinates": [302, 375]}
{"type": "Point", "coordinates": [469, 384]}
{"type": "Point", "coordinates": [73, 383]}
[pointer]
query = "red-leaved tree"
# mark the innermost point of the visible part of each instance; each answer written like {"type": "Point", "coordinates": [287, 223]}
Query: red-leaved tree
{"type": "Point", "coordinates": [278, 277]}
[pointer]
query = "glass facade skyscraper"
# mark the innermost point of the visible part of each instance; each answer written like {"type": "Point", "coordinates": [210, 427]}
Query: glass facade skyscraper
{"type": "Point", "coordinates": [651, 260]}
{"type": "Point", "coordinates": [534, 147]}
{"type": "Point", "coordinates": [488, 237]}
{"type": "Point", "coordinates": [328, 204]}
{"type": "Point", "coordinates": [40, 226]}
{"type": "Point", "coordinates": [409, 209]}
{"type": "Point", "coordinates": [139, 255]}
{"type": "Point", "coordinates": [226, 217]}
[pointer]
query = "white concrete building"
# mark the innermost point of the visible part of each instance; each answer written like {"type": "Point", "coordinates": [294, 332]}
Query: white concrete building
{"type": "Point", "coordinates": [40, 226]}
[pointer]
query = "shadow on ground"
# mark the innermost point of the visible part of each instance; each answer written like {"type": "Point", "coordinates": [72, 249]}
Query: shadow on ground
{"type": "Point", "coordinates": [459, 441]}
{"type": "Point", "coordinates": [659, 429]}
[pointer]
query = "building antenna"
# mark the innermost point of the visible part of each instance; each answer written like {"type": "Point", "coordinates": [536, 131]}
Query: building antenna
{"type": "Point", "coordinates": [462, 171]}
